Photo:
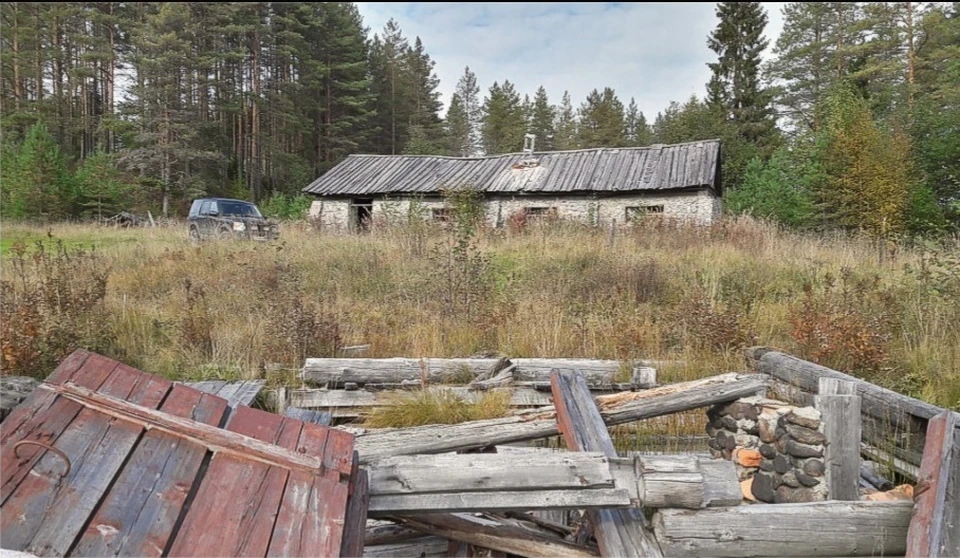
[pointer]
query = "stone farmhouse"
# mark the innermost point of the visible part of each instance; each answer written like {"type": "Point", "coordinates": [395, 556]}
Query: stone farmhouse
{"type": "Point", "coordinates": [598, 186]}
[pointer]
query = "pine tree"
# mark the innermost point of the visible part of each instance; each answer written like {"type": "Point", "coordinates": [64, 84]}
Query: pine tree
{"type": "Point", "coordinates": [426, 99]}
{"type": "Point", "coordinates": [821, 43]}
{"type": "Point", "coordinates": [735, 86]}
{"type": "Point", "coordinates": [542, 121]}
{"type": "Point", "coordinates": [504, 124]}
{"type": "Point", "coordinates": [469, 94]}
{"type": "Point", "coordinates": [565, 135]}
{"type": "Point", "coordinates": [602, 120]}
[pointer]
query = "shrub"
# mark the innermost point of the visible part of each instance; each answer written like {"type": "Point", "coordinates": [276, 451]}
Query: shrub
{"type": "Point", "coordinates": [53, 302]}
{"type": "Point", "coordinates": [847, 326]}
{"type": "Point", "coordinates": [289, 207]}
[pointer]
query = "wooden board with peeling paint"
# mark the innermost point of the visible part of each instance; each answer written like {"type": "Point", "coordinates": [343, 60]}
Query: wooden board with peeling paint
{"type": "Point", "coordinates": [81, 479]}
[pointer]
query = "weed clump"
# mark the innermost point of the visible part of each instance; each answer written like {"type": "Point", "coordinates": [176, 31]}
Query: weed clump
{"type": "Point", "coordinates": [436, 406]}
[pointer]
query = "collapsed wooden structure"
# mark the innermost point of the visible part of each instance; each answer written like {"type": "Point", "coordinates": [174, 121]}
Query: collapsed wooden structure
{"type": "Point", "coordinates": [83, 455]}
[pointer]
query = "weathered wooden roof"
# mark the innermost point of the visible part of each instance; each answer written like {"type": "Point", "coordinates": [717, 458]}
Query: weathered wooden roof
{"type": "Point", "coordinates": [105, 460]}
{"type": "Point", "coordinates": [661, 167]}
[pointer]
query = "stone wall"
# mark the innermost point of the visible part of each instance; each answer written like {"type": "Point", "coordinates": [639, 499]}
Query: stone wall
{"type": "Point", "coordinates": [777, 448]}
{"type": "Point", "coordinates": [700, 206]}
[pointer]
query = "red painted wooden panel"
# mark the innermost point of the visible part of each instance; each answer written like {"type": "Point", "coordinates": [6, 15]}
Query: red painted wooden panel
{"type": "Point", "coordinates": [138, 515]}
{"type": "Point", "coordinates": [45, 513]}
{"type": "Point", "coordinates": [43, 417]}
{"type": "Point", "coordinates": [236, 506]}
{"type": "Point", "coordinates": [310, 522]}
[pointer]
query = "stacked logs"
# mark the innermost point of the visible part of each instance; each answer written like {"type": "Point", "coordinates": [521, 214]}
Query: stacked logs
{"type": "Point", "coordinates": [777, 448]}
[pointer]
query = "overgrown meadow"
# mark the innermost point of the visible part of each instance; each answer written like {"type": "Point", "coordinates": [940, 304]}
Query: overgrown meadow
{"type": "Point", "coordinates": [693, 295]}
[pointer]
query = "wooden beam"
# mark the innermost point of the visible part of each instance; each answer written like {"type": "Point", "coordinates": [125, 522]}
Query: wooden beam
{"type": "Point", "coordinates": [496, 534]}
{"type": "Point", "coordinates": [541, 423]}
{"type": "Point", "coordinates": [933, 526]}
{"type": "Point", "coordinates": [216, 439]}
{"type": "Point", "coordinates": [840, 417]}
{"type": "Point", "coordinates": [364, 400]}
{"type": "Point", "coordinates": [388, 505]}
{"type": "Point", "coordinates": [815, 529]}
{"type": "Point", "coordinates": [337, 371]}
{"type": "Point", "coordinates": [618, 532]}
{"type": "Point", "coordinates": [678, 481]}
{"type": "Point", "coordinates": [420, 474]}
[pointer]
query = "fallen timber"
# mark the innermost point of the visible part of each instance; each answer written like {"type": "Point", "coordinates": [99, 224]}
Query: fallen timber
{"type": "Point", "coordinates": [815, 529]}
{"type": "Point", "coordinates": [335, 372]}
{"type": "Point", "coordinates": [618, 532]}
{"type": "Point", "coordinates": [538, 480]}
{"type": "Point", "coordinates": [541, 423]}
{"type": "Point", "coordinates": [497, 534]}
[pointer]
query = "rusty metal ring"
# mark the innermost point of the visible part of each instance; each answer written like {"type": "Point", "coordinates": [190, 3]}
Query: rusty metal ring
{"type": "Point", "coordinates": [62, 455]}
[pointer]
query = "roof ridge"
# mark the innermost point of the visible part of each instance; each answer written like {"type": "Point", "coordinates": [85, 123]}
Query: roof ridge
{"type": "Point", "coordinates": [656, 146]}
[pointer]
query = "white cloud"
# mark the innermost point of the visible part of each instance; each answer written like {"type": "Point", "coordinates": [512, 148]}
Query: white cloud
{"type": "Point", "coordinates": [654, 52]}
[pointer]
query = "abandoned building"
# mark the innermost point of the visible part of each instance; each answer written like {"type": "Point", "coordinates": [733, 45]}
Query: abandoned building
{"type": "Point", "coordinates": [597, 186]}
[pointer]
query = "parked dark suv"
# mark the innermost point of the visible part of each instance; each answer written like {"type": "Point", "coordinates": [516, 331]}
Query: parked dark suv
{"type": "Point", "coordinates": [226, 219]}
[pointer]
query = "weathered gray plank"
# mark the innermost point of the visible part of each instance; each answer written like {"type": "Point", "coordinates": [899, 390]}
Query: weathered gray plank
{"type": "Point", "coordinates": [211, 387]}
{"type": "Point", "coordinates": [840, 415]}
{"type": "Point", "coordinates": [540, 423]}
{"type": "Point", "coordinates": [420, 474]}
{"type": "Point", "coordinates": [497, 534]}
{"type": "Point", "coordinates": [236, 393]}
{"type": "Point", "coordinates": [932, 527]}
{"type": "Point", "coordinates": [380, 532]}
{"type": "Point", "coordinates": [321, 418]}
{"type": "Point", "coordinates": [816, 529]}
{"type": "Point", "coordinates": [425, 547]}
{"type": "Point", "coordinates": [618, 532]}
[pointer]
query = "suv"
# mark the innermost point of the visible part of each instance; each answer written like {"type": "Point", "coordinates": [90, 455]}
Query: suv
{"type": "Point", "coordinates": [223, 219]}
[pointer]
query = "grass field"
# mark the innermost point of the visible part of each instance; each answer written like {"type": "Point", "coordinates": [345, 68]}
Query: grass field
{"type": "Point", "coordinates": [697, 296]}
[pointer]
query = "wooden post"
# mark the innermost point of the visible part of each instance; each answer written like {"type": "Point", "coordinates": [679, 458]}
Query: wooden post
{"type": "Point", "coordinates": [840, 417]}
{"type": "Point", "coordinates": [618, 532]}
{"type": "Point", "coordinates": [644, 377]}
{"type": "Point", "coordinates": [935, 525]}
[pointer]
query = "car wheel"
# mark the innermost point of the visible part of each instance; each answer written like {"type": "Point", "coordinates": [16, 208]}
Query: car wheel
{"type": "Point", "coordinates": [194, 235]}
{"type": "Point", "coordinates": [224, 233]}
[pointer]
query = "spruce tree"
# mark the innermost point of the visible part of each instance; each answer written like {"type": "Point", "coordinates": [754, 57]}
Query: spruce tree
{"type": "Point", "coordinates": [459, 140]}
{"type": "Point", "coordinates": [602, 120]}
{"type": "Point", "coordinates": [504, 124]}
{"type": "Point", "coordinates": [565, 134]}
{"type": "Point", "coordinates": [425, 97]}
{"type": "Point", "coordinates": [45, 187]}
{"type": "Point", "coordinates": [735, 83]}
{"type": "Point", "coordinates": [469, 94]}
{"type": "Point", "coordinates": [392, 85]}
{"type": "Point", "coordinates": [638, 132]}
{"type": "Point", "coordinates": [542, 121]}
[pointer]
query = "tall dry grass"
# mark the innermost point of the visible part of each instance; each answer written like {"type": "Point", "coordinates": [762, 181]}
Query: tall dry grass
{"type": "Point", "coordinates": [695, 295]}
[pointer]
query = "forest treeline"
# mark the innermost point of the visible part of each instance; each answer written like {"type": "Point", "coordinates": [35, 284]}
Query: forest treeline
{"type": "Point", "coordinates": [853, 122]}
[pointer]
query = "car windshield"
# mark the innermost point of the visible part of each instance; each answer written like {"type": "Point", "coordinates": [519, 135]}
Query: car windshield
{"type": "Point", "coordinates": [239, 209]}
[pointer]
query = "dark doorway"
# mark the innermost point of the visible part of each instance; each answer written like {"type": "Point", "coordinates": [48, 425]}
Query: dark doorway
{"type": "Point", "coordinates": [361, 212]}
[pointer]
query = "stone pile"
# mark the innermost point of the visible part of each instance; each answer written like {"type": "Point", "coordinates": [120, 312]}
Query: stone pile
{"type": "Point", "coordinates": [777, 448]}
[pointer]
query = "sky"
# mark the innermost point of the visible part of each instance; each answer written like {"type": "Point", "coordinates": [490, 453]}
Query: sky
{"type": "Point", "coordinates": [654, 52]}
